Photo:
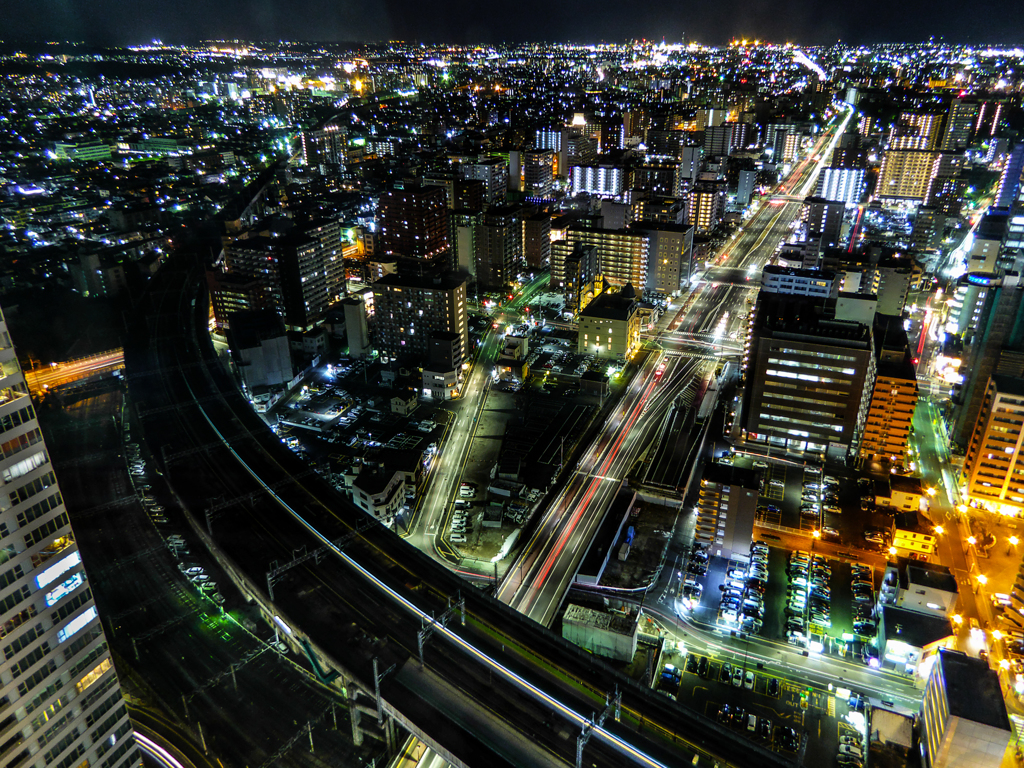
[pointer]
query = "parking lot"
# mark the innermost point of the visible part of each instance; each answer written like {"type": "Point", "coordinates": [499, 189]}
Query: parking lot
{"type": "Point", "coordinates": [784, 713]}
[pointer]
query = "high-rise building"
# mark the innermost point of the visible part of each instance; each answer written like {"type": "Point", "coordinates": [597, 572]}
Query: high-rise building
{"type": "Point", "coordinates": [993, 473]}
{"type": "Point", "coordinates": [745, 187]}
{"type": "Point", "coordinates": [959, 128]}
{"type": "Point", "coordinates": [325, 146]}
{"type": "Point", "coordinates": [929, 226]}
{"type": "Point", "coordinates": [1011, 181]}
{"type": "Point", "coordinates": [538, 172]}
{"type": "Point", "coordinates": [916, 130]}
{"type": "Point", "coordinates": [670, 257]}
{"type": "Point", "coordinates": [707, 205]}
{"type": "Point", "coordinates": [414, 223]}
{"type": "Point", "coordinates": [691, 163]}
{"type": "Point", "coordinates": [824, 221]}
{"type": "Point", "coordinates": [621, 255]}
{"type": "Point", "coordinates": [493, 172]}
{"type": "Point", "coordinates": [808, 376]}
{"type": "Point", "coordinates": [946, 187]}
{"type": "Point", "coordinates": [658, 179]}
{"type": "Point", "coordinates": [499, 247]}
{"type": "Point", "coordinates": [557, 140]}
{"type": "Point", "coordinates": [841, 184]}
{"type": "Point", "coordinates": [408, 309]}
{"type": "Point", "coordinates": [906, 174]}
{"type": "Point", "coordinates": [996, 348]}
{"type": "Point", "coordinates": [537, 240]}
{"type": "Point", "coordinates": [57, 680]}
{"type": "Point", "coordinates": [599, 180]}
{"type": "Point", "coordinates": [302, 269]}
{"type": "Point", "coordinates": [894, 395]}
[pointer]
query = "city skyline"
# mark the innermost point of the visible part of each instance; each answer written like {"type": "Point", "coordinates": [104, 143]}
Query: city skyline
{"type": "Point", "coordinates": [804, 22]}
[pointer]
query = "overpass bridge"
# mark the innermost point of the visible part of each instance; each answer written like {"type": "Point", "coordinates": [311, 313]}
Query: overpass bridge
{"type": "Point", "coordinates": [402, 639]}
{"type": "Point", "coordinates": [56, 375]}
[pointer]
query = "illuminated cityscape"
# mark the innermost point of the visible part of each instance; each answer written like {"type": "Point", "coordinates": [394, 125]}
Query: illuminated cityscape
{"type": "Point", "coordinates": [644, 403]}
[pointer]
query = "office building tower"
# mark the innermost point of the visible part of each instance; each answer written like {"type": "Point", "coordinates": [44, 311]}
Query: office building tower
{"type": "Point", "coordinates": [664, 145]}
{"type": "Point", "coordinates": [893, 397]}
{"type": "Point", "coordinates": [493, 172]}
{"type": "Point", "coordinates": [707, 205]}
{"type": "Point", "coordinates": [959, 128]}
{"type": "Point", "coordinates": [914, 130]}
{"type": "Point", "coordinates": [408, 309]}
{"type": "Point", "coordinates": [581, 279]}
{"type": "Point", "coordinates": [995, 348]}
{"type": "Point", "coordinates": [621, 255]}
{"type": "Point", "coordinates": [537, 240]}
{"type": "Point", "coordinates": [59, 694]}
{"type": "Point", "coordinates": [906, 174]}
{"type": "Point", "coordinates": [325, 147]}
{"type": "Point", "coordinates": [727, 508]}
{"type": "Point", "coordinates": [963, 716]}
{"type": "Point", "coordinates": [844, 185]}
{"type": "Point", "coordinates": [669, 257]}
{"type": "Point", "coordinates": [538, 172]}
{"type": "Point", "coordinates": [993, 473]}
{"type": "Point", "coordinates": [823, 283]}
{"type": "Point", "coordinates": [600, 181]}
{"type": "Point", "coordinates": [499, 248]}
{"type": "Point", "coordinates": [823, 220]}
{"type": "Point", "coordinates": [808, 377]}
{"type": "Point", "coordinates": [414, 223]}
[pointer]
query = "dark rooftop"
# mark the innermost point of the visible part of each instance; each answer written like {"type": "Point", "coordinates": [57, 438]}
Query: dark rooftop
{"type": "Point", "coordinates": [445, 281]}
{"type": "Point", "coordinates": [727, 474]}
{"type": "Point", "coordinates": [783, 313]}
{"type": "Point", "coordinates": [929, 575]}
{"type": "Point", "coordinates": [972, 690]}
{"type": "Point", "coordinates": [613, 306]}
{"type": "Point", "coordinates": [914, 628]}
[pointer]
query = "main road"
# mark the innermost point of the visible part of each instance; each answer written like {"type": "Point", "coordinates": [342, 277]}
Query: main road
{"type": "Point", "coordinates": [709, 317]}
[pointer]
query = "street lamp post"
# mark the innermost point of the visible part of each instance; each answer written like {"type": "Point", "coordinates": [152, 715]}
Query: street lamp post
{"type": "Point", "coordinates": [982, 581]}
{"type": "Point", "coordinates": [1013, 544]}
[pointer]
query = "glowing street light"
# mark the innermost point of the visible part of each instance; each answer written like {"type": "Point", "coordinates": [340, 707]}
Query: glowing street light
{"type": "Point", "coordinates": [939, 530]}
{"type": "Point", "coordinates": [1004, 663]}
{"type": "Point", "coordinates": [1014, 541]}
{"type": "Point", "coordinates": [957, 619]}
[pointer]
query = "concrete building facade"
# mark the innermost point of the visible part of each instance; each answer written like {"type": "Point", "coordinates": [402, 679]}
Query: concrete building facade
{"type": "Point", "coordinates": [59, 693]}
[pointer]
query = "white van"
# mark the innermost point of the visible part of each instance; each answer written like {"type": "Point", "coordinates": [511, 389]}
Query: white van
{"type": "Point", "coordinates": [466, 493]}
{"type": "Point", "coordinates": [457, 538]}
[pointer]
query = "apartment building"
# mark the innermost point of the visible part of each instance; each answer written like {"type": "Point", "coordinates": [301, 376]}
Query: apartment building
{"type": "Point", "coordinates": [893, 396]}
{"type": "Point", "coordinates": [622, 256]}
{"type": "Point", "coordinates": [993, 473]}
{"type": "Point", "coordinates": [823, 283]}
{"type": "Point", "coordinates": [409, 309]}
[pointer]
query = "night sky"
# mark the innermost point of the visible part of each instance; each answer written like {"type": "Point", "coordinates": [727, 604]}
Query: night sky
{"type": "Point", "coordinates": [120, 22]}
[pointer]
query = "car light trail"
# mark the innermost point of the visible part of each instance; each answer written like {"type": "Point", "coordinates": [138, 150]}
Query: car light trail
{"type": "Point", "coordinates": [157, 752]}
{"type": "Point", "coordinates": [535, 692]}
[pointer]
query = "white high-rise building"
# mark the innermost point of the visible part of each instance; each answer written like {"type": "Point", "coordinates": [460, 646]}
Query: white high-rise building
{"type": "Point", "coordinates": [60, 700]}
{"type": "Point", "coordinates": [844, 185]}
